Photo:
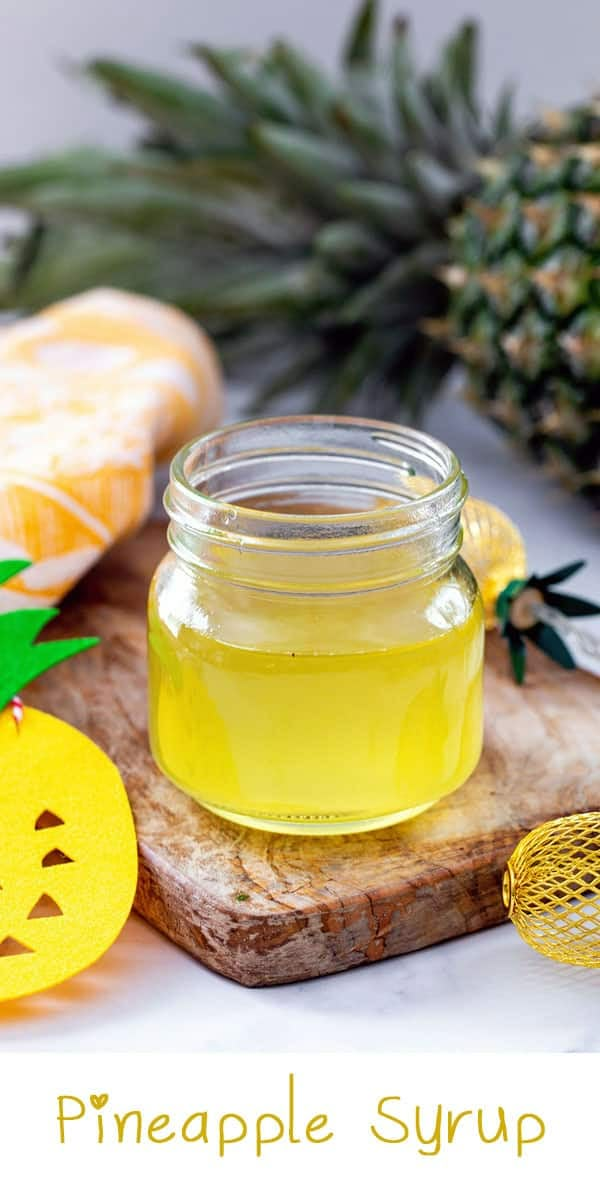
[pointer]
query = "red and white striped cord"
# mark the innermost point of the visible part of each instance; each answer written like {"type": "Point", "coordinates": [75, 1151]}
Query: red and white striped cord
{"type": "Point", "coordinates": [17, 710]}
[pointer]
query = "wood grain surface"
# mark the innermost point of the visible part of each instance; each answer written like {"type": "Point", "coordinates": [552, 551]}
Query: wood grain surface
{"type": "Point", "coordinates": [267, 909]}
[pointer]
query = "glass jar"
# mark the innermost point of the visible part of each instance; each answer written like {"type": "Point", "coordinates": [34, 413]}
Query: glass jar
{"type": "Point", "coordinates": [315, 640]}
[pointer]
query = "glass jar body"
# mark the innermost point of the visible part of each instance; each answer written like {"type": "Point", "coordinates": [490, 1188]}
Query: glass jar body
{"type": "Point", "coordinates": [320, 712]}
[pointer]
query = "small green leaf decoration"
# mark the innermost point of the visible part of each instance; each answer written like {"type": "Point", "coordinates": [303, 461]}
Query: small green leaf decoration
{"type": "Point", "coordinates": [561, 574]}
{"type": "Point", "coordinates": [552, 644]}
{"type": "Point", "coordinates": [541, 628]}
{"type": "Point", "coordinates": [12, 566]}
{"type": "Point", "coordinates": [21, 657]}
{"type": "Point", "coordinates": [518, 658]}
{"type": "Point", "coordinates": [506, 597]}
{"type": "Point", "coordinates": [575, 606]}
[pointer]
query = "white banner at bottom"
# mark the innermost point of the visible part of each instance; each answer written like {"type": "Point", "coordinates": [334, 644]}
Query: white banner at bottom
{"type": "Point", "coordinates": [274, 1125]}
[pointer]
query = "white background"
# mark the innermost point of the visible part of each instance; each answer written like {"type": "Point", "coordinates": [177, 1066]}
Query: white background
{"type": "Point", "coordinates": [347, 1088]}
{"type": "Point", "coordinates": [550, 48]}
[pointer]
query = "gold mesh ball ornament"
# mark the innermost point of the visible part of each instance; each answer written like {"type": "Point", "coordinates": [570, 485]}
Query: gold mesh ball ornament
{"type": "Point", "coordinates": [494, 550]}
{"type": "Point", "coordinates": [551, 889]}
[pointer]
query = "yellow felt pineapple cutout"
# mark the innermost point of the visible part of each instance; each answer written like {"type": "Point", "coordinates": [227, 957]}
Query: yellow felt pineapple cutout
{"type": "Point", "coordinates": [68, 857]}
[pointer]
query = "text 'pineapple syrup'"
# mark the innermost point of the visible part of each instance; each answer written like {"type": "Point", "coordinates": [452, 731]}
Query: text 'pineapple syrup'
{"type": "Point", "coordinates": [315, 642]}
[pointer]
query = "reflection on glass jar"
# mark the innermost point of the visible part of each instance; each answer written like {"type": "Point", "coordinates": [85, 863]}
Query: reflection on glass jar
{"type": "Point", "coordinates": [315, 641]}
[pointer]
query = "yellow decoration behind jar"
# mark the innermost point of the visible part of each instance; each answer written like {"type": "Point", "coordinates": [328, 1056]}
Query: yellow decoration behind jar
{"type": "Point", "coordinates": [494, 550]}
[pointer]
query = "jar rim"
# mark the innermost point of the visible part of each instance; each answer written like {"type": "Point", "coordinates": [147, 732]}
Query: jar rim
{"type": "Point", "coordinates": [194, 506]}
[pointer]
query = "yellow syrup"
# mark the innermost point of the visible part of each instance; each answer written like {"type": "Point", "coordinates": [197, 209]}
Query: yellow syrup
{"type": "Point", "coordinates": [316, 714]}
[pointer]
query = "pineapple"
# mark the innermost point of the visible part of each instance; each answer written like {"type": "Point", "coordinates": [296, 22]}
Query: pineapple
{"type": "Point", "coordinates": [525, 310]}
{"type": "Point", "coordinates": [301, 216]}
{"type": "Point", "coordinates": [68, 860]}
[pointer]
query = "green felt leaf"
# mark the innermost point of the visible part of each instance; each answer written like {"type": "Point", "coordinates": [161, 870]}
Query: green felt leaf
{"type": "Point", "coordinates": [12, 566]}
{"type": "Point", "coordinates": [21, 657]}
{"type": "Point", "coordinates": [560, 574]}
{"type": "Point", "coordinates": [548, 640]}
{"type": "Point", "coordinates": [518, 657]}
{"type": "Point", "coordinates": [573, 606]}
{"type": "Point", "coordinates": [506, 597]}
{"type": "Point", "coordinates": [502, 608]}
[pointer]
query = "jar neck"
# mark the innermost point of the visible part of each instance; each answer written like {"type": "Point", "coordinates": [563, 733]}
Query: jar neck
{"type": "Point", "coordinates": [316, 504]}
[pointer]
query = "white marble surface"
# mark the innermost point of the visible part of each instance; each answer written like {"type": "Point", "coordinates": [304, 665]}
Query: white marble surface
{"type": "Point", "coordinates": [483, 992]}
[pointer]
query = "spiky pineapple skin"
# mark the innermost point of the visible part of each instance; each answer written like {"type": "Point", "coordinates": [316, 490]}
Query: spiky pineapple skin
{"type": "Point", "coordinates": [48, 766]}
{"type": "Point", "coordinates": [525, 309]}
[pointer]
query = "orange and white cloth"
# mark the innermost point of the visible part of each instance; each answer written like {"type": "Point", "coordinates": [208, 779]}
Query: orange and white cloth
{"type": "Point", "coordinates": [94, 391]}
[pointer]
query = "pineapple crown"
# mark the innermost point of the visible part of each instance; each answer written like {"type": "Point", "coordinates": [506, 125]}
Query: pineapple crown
{"type": "Point", "coordinates": [21, 657]}
{"type": "Point", "coordinates": [300, 214]}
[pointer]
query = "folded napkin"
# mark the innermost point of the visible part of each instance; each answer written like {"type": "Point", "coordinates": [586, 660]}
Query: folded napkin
{"type": "Point", "coordinates": [93, 393]}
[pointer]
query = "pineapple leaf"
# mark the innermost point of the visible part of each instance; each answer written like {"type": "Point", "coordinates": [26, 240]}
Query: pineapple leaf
{"type": "Point", "coordinates": [392, 209]}
{"type": "Point", "coordinates": [22, 658]}
{"type": "Point", "coordinates": [311, 87]}
{"type": "Point", "coordinates": [386, 286]}
{"type": "Point", "coordinates": [361, 127]}
{"type": "Point", "coordinates": [293, 375]}
{"type": "Point", "coordinates": [67, 259]}
{"type": "Point", "coordinates": [306, 158]}
{"type": "Point", "coordinates": [344, 387]}
{"type": "Point", "coordinates": [259, 93]}
{"type": "Point", "coordinates": [438, 186]}
{"type": "Point", "coordinates": [503, 118]}
{"type": "Point", "coordinates": [359, 49]}
{"type": "Point", "coordinates": [458, 63]}
{"type": "Point", "coordinates": [423, 381]}
{"type": "Point", "coordinates": [401, 56]}
{"type": "Point", "coordinates": [351, 246]}
{"type": "Point", "coordinates": [416, 115]}
{"type": "Point", "coordinates": [273, 292]}
{"type": "Point", "coordinates": [177, 108]}
{"type": "Point", "coordinates": [264, 201]}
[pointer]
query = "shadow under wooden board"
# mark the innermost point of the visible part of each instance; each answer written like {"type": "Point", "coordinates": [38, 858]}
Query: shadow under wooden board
{"type": "Point", "coordinates": [266, 909]}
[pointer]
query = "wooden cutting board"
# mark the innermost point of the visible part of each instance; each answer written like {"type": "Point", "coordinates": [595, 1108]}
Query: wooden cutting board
{"type": "Point", "coordinates": [265, 909]}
